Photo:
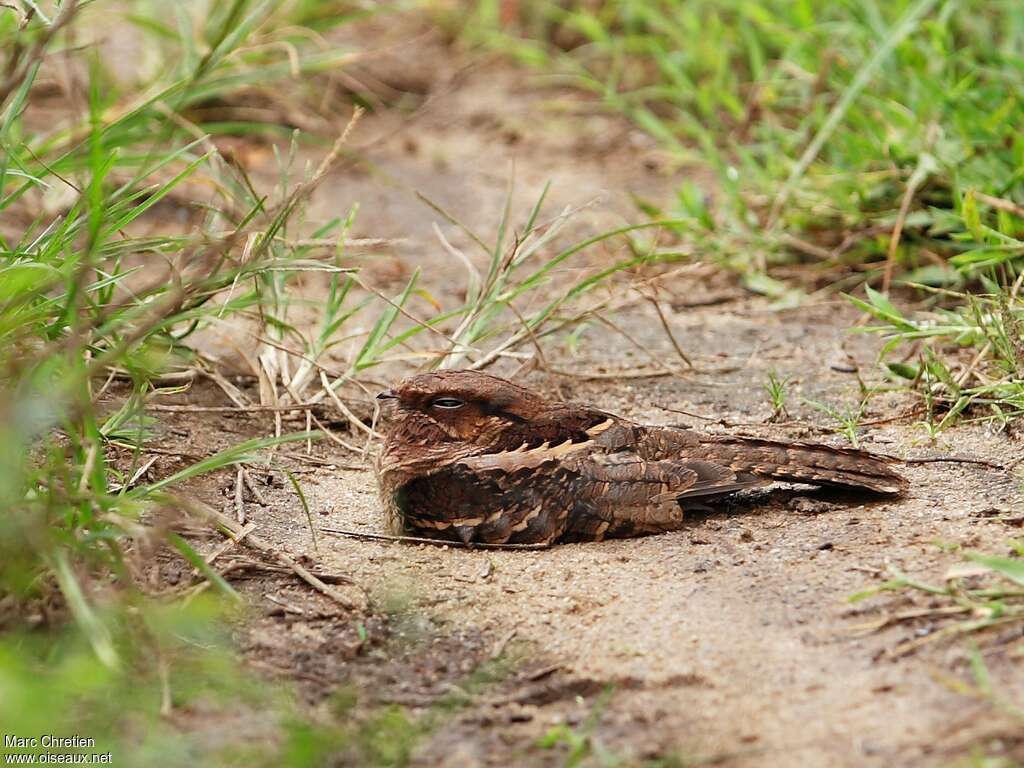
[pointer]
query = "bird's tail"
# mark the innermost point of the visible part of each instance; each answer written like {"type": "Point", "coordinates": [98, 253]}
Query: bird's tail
{"type": "Point", "coordinates": [802, 462]}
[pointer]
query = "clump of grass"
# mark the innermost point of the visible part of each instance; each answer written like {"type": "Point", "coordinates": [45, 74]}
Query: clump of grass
{"type": "Point", "coordinates": [181, 698]}
{"type": "Point", "coordinates": [967, 356]}
{"type": "Point", "coordinates": [777, 390]}
{"type": "Point", "coordinates": [85, 303]}
{"type": "Point", "coordinates": [92, 301]}
{"type": "Point", "coordinates": [981, 593]}
{"type": "Point", "coordinates": [847, 418]}
{"type": "Point", "coordinates": [522, 269]}
{"type": "Point", "coordinates": [581, 743]}
{"type": "Point", "coordinates": [822, 121]}
{"type": "Point", "coordinates": [172, 659]}
{"type": "Point", "coordinates": [995, 740]}
{"type": "Point", "coordinates": [979, 603]}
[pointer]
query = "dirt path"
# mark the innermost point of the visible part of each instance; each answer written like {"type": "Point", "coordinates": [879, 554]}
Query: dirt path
{"type": "Point", "coordinates": [731, 640]}
{"type": "Point", "coordinates": [732, 636]}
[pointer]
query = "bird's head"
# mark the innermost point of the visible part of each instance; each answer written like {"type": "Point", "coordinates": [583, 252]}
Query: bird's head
{"type": "Point", "coordinates": [457, 407]}
{"type": "Point", "coordinates": [439, 418]}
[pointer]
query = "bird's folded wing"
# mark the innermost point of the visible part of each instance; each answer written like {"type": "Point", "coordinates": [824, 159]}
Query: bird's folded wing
{"type": "Point", "coordinates": [628, 478]}
{"type": "Point", "coordinates": [572, 489]}
{"type": "Point", "coordinates": [481, 500]}
{"type": "Point", "coordinates": [628, 495]}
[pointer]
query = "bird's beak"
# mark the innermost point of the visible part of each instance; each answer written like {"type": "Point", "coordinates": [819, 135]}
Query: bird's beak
{"type": "Point", "coordinates": [387, 394]}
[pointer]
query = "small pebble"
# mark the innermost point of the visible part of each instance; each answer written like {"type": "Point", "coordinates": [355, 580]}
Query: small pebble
{"type": "Point", "coordinates": [808, 506]}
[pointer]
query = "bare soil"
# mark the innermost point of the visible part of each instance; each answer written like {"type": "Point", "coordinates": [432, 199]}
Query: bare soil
{"type": "Point", "coordinates": [731, 641]}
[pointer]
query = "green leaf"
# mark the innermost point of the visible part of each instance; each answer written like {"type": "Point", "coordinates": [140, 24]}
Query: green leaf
{"type": "Point", "coordinates": [881, 301]}
{"type": "Point", "coordinates": [903, 370]}
{"type": "Point", "coordinates": [784, 295]}
{"type": "Point", "coordinates": [243, 452]}
{"type": "Point", "coordinates": [1008, 567]}
{"type": "Point", "coordinates": [95, 630]}
{"type": "Point", "coordinates": [888, 586]}
{"type": "Point", "coordinates": [971, 216]}
{"type": "Point", "coordinates": [979, 671]}
{"type": "Point", "coordinates": [305, 509]}
{"type": "Point", "coordinates": [370, 351]}
{"type": "Point", "coordinates": [877, 309]}
{"type": "Point", "coordinates": [202, 566]}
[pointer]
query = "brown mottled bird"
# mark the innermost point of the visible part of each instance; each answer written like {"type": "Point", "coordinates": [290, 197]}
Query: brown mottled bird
{"type": "Point", "coordinates": [475, 458]}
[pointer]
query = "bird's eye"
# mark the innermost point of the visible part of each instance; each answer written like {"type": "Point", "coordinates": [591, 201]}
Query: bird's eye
{"type": "Point", "coordinates": [448, 403]}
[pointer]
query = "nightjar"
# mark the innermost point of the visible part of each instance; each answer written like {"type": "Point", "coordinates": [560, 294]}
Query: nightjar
{"type": "Point", "coordinates": [472, 457]}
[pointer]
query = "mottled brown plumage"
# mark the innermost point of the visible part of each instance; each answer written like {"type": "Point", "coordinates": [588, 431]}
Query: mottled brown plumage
{"type": "Point", "coordinates": [475, 458]}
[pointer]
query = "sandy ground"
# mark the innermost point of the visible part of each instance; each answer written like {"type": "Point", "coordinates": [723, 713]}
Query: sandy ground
{"type": "Point", "coordinates": [731, 641]}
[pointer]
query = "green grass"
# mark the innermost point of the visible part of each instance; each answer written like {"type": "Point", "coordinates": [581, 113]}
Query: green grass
{"type": "Point", "coordinates": [171, 658]}
{"type": "Point", "coordinates": [777, 390]}
{"type": "Point", "coordinates": [969, 355]}
{"type": "Point", "coordinates": [978, 594]}
{"type": "Point", "coordinates": [979, 603]}
{"type": "Point", "coordinates": [85, 302]}
{"type": "Point", "coordinates": [181, 698]}
{"type": "Point", "coordinates": [93, 296]}
{"type": "Point", "coordinates": [863, 142]}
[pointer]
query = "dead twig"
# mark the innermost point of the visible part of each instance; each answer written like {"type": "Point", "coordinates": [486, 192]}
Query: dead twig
{"type": "Point", "coordinates": [228, 545]}
{"type": "Point", "coordinates": [434, 542]}
{"type": "Point", "coordinates": [908, 647]}
{"type": "Point", "coordinates": [333, 437]}
{"type": "Point", "coordinates": [897, 234]}
{"type": "Point", "coordinates": [635, 342]}
{"type": "Point", "coordinates": [668, 330]}
{"type": "Point", "coordinates": [233, 409]}
{"type": "Point", "coordinates": [353, 420]}
{"type": "Point", "coordinates": [233, 393]}
{"type": "Point", "coordinates": [870, 627]}
{"type": "Point", "coordinates": [499, 647]}
{"type": "Point", "coordinates": [304, 188]}
{"type": "Point", "coordinates": [920, 175]}
{"type": "Point", "coordinates": [226, 525]}
{"type": "Point", "coordinates": [316, 461]}
{"type": "Point", "coordinates": [241, 565]}
{"type": "Point", "coordinates": [635, 373]}
{"type": "Point", "coordinates": [1000, 204]}
{"type": "Point", "coordinates": [251, 485]}
{"type": "Point", "coordinates": [239, 500]}
{"type": "Point", "coordinates": [949, 460]}
{"type": "Point", "coordinates": [136, 476]}
{"type": "Point", "coordinates": [288, 607]}
{"type": "Point", "coordinates": [792, 423]}
{"type": "Point", "coordinates": [805, 247]}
